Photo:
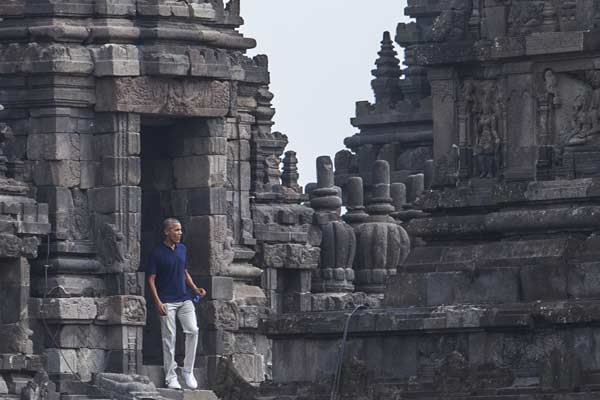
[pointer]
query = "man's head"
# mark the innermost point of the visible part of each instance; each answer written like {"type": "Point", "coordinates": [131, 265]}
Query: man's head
{"type": "Point", "coordinates": [172, 230]}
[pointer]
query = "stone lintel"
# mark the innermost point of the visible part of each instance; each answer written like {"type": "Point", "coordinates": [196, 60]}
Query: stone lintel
{"type": "Point", "coordinates": [161, 96]}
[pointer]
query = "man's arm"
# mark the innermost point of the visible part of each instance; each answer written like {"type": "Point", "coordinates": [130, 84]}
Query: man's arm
{"type": "Point", "coordinates": [160, 307]}
{"type": "Point", "coordinates": [190, 282]}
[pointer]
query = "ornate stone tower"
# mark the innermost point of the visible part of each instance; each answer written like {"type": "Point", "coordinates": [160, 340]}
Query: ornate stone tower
{"type": "Point", "coordinates": [126, 112]}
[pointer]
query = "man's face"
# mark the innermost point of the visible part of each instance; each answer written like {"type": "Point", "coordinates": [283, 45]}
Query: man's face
{"type": "Point", "coordinates": [173, 233]}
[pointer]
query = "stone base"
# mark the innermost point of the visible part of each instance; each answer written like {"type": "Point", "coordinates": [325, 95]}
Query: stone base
{"type": "Point", "coordinates": [457, 352]}
{"type": "Point", "coordinates": [187, 394]}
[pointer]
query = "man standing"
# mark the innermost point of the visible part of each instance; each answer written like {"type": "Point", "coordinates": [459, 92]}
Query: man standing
{"type": "Point", "coordinates": [169, 280]}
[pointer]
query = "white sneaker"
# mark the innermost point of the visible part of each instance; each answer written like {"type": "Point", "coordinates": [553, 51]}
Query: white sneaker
{"type": "Point", "coordinates": [190, 380]}
{"type": "Point", "coordinates": [173, 383]}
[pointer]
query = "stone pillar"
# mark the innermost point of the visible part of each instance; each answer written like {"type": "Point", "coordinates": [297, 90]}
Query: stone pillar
{"type": "Point", "coordinates": [398, 193]}
{"type": "Point", "coordinates": [338, 243]}
{"type": "Point", "coordinates": [290, 174]}
{"type": "Point", "coordinates": [381, 243]}
{"type": "Point", "coordinates": [116, 206]}
{"type": "Point", "coordinates": [444, 94]}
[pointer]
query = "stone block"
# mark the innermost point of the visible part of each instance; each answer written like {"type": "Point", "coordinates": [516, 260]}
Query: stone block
{"type": "Point", "coordinates": [161, 95]}
{"type": "Point", "coordinates": [207, 201]}
{"type": "Point", "coordinates": [123, 123]}
{"type": "Point", "coordinates": [66, 173]}
{"type": "Point", "coordinates": [249, 366]}
{"type": "Point", "coordinates": [122, 310]}
{"type": "Point", "coordinates": [116, 199]}
{"type": "Point", "coordinates": [115, 7]}
{"type": "Point", "coordinates": [124, 171]}
{"type": "Point", "coordinates": [61, 361]}
{"type": "Point", "coordinates": [290, 256]}
{"type": "Point", "coordinates": [239, 175]}
{"type": "Point", "coordinates": [89, 171]}
{"type": "Point", "coordinates": [78, 336]}
{"type": "Point", "coordinates": [44, 58]}
{"type": "Point", "coordinates": [208, 171]}
{"type": "Point", "coordinates": [250, 316]}
{"type": "Point", "coordinates": [116, 60]}
{"type": "Point", "coordinates": [584, 281]}
{"type": "Point", "coordinates": [543, 282]}
{"type": "Point", "coordinates": [217, 315]}
{"type": "Point", "coordinates": [249, 295]}
{"type": "Point", "coordinates": [61, 120]}
{"type": "Point", "coordinates": [239, 150]}
{"type": "Point", "coordinates": [205, 241]}
{"type": "Point", "coordinates": [190, 144]}
{"type": "Point", "coordinates": [66, 309]}
{"type": "Point", "coordinates": [217, 342]}
{"type": "Point", "coordinates": [164, 61]}
{"type": "Point", "coordinates": [203, 11]}
{"type": "Point", "coordinates": [124, 337]}
{"type": "Point", "coordinates": [171, 394]}
{"type": "Point", "coordinates": [217, 287]}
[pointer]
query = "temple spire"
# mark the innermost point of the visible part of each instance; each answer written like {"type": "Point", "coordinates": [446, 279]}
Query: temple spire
{"type": "Point", "coordinates": [387, 74]}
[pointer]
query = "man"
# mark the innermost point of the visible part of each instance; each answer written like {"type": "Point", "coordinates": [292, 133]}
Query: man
{"type": "Point", "coordinates": [169, 283]}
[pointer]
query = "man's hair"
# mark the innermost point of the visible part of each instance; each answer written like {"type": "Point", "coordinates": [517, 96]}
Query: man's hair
{"type": "Point", "coordinates": [168, 222]}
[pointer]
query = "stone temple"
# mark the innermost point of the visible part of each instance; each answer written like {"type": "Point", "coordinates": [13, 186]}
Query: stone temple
{"type": "Point", "coordinates": [466, 263]}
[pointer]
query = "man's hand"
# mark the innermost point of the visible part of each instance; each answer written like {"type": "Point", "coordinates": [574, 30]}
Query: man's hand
{"type": "Point", "coordinates": [161, 308]}
{"type": "Point", "coordinates": [200, 291]}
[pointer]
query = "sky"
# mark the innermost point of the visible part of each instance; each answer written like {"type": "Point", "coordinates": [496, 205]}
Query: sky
{"type": "Point", "coordinates": [321, 53]}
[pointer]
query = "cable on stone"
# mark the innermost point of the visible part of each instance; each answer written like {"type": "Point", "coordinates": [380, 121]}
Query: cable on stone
{"type": "Point", "coordinates": [338, 373]}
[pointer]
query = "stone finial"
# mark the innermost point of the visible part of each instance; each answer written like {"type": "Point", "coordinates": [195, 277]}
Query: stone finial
{"type": "Point", "coordinates": [325, 178]}
{"type": "Point", "coordinates": [381, 242]}
{"type": "Point", "coordinates": [380, 203]}
{"type": "Point", "coordinates": [324, 197]}
{"type": "Point", "coordinates": [290, 174]}
{"type": "Point", "coordinates": [386, 84]}
{"type": "Point", "coordinates": [428, 172]}
{"type": "Point", "coordinates": [398, 193]}
{"type": "Point", "coordinates": [264, 112]}
{"type": "Point", "coordinates": [355, 202]}
{"type": "Point", "coordinates": [233, 7]}
{"type": "Point", "coordinates": [415, 186]}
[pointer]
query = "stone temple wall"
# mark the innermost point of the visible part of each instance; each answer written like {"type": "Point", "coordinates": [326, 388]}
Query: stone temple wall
{"type": "Point", "coordinates": [126, 112]}
{"type": "Point", "coordinates": [470, 191]}
{"type": "Point", "coordinates": [498, 297]}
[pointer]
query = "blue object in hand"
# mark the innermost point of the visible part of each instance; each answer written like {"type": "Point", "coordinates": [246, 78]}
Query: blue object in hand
{"type": "Point", "coordinates": [197, 298]}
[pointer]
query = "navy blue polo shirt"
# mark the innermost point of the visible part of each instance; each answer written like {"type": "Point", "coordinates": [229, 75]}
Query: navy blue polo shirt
{"type": "Point", "coordinates": [169, 267]}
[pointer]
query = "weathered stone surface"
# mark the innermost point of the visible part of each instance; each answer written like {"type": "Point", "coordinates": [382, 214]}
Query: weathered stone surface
{"type": "Point", "coordinates": [161, 96]}
{"type": "Point", "coordinates": [290, 256]}
{"type": "Point", "coordinates": [116, 60]}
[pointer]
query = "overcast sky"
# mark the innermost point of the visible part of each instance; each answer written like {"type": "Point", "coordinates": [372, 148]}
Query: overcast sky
{"type": "Point", "coordinates": [321, 54]}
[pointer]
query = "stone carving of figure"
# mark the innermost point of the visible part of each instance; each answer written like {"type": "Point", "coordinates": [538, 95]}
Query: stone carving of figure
{"type": "Point", "coordinates": [487, 145]}
{"type": "Point", "coordinates": [585, 120]}
{"type": "Point", "coordinates": [449, 25]}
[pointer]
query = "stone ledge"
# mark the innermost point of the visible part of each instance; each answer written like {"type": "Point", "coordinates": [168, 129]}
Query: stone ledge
{"type": "Point", "coordinates": [523, 316]}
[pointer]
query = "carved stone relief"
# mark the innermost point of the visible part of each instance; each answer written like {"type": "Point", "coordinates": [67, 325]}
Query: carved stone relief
{"type": "Point", "coordinates": [480, 113]}
{"type": "Point", "coordinates": [164, 96]}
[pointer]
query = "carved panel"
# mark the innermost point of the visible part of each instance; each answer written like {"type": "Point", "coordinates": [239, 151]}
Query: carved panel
{"type": "Point", "coordinates": [481, 115]}
{"type": "Point", "coordinates": [147, 95]}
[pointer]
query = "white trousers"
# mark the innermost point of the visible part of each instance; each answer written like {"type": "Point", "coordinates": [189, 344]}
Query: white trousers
{"type": "Point", "coordinates": [186, 313]}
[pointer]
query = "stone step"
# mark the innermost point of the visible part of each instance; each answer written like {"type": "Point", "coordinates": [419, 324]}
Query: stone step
{"type": "Point", "coordinates": [80, 397]}
{"type": "Point", "coordinates": [185, 394]}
